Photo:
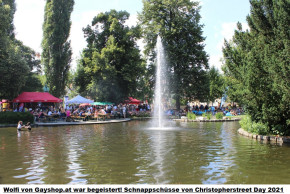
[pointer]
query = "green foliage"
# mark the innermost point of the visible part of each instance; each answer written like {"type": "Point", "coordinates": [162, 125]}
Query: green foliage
{"type": "Point", "coordinates": [33, 83]}
{"type": "Point", "coordinates": [260, 128]}
{"type": "Point", "coordinates": [257, 64]}
{"type": "Point", "coordinates": [216, 84]}
{"type": "Point", "coordinates": [219, 115]}
{"type": "Point", "coordinates": [254, 127]}
{"type": "Point", "coordinates": [246, 123]}
{"type": "Point", "coordinates": [177, 23]}
{"type": "Point", "coordinates": [56, 54]}
{"type": "Point", "coordinates": [14, 117]}
{"type": "Point", "coordinates": [278, 130]}
{"type": "Point", "coordinates": [16, 60]}
{"type": "Point", "coordinates": [111, 65]}
{"type": "Point", "coordinates": [191, 116]}
{"type": "Point", "coordinates": [207, 115]}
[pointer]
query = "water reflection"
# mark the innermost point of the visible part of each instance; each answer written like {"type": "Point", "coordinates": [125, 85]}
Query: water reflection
{"type": "Point", "coordinates": [221, 158]}
{"type": "Point", "coordinates": [130, 153]}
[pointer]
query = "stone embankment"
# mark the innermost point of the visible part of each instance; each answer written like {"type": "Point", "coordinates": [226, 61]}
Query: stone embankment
{"type": "Point", "coordinates": [265, 138]}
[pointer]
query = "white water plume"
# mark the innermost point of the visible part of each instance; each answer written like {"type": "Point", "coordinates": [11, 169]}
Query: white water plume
{"type": "Point", "coordinates": [160, 85]}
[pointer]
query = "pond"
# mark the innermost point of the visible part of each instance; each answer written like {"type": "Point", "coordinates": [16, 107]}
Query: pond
{"type": "Point", "coordinates": [134, 153]}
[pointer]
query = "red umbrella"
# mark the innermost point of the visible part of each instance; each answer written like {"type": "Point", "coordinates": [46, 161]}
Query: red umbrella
{"type": "Point", "coordinates": [132, 101]}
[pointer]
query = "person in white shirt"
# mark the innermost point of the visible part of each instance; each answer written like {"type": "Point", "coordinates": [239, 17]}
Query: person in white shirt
{"type": "Point", "coordinates": [19, 126]}
{"type": "Point", "coordinates": [124, 111]}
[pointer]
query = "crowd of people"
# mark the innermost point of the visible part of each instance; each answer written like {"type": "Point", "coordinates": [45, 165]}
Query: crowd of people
{"type": "Point", "coordinates": [86, 112]}
{"type": "Point", "coordinates": [69, 112]}
{"type": "Point", "coordinates": [226, 110]}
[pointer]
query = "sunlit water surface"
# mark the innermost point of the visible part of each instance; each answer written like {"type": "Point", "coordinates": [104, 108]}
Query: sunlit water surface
{"type": "Point", "coordinates": [135, 153]}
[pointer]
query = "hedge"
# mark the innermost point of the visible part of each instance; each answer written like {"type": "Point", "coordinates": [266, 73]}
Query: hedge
{"type": "Point", "coordinates": [15, 117]}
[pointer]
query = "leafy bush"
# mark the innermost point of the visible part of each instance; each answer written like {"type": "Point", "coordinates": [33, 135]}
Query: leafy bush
{"type": "Point", "coordinates": [14, 117]}
{"type": "Point", "coordinates": [208, 116]}
{"type": "Point", "coordinates": [246, 123]}
{"type": "Point", "coordinates": [219, 115]}
{"type": "Point", "coordinates": [253, 127]}
{"type": "Point", "coordinates": [191, 116]}
{"type": "Point", "coordinates": [259, 128]}
{"type": "Point", "coordinates": [278, 130]}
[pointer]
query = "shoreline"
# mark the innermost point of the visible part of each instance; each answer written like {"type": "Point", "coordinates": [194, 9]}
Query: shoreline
{"type": "Point", "coordinates": [62, 123]}
{"type": "Point", "coordinates": [90, 122]}
{"type": "Point", "coordinates": [265, 138]}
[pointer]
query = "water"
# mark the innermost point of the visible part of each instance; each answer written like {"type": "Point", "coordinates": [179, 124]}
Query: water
{"type": "Point", "coordinates": [160, 85]}
{"type": "Point", "coordinates": [132, 153]}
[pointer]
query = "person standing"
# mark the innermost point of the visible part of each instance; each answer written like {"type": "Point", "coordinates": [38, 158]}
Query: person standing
{"type": "Point", "coordinates": [19, 126]}
{"type": "Point", "coordinates": [124, 111]}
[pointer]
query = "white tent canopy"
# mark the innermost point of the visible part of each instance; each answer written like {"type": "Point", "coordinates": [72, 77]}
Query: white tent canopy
{"type": "Point", "coordinates": [79, 100]}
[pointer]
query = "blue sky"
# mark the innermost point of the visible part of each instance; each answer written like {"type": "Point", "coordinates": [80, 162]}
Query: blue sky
{"type": "Point", "coordinates": [218, 16]}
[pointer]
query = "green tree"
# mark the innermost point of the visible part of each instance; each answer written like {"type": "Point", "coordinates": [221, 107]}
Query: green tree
{"type": "Point", "coordinates": [15, 66]}
{"type": "Point", "coordinates": [10, 16]}
{"type": "Point", "coordinates": [257, 64]}
{"type": "Point", "coordinates": [111, 64]}
{"type": "Point", "coordinates": [177, 22]}
{"type": "Point", "coordinates": [56, 54]}
{"type": "Point", "coordinates": [216, 84]}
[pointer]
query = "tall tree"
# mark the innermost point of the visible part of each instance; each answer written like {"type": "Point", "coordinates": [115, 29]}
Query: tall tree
{"type": "Point", "coordinates": [16, 60]}
{"type": "Point", "coordinates": [56, 54]}
{"type": "Point", "coordinates": [178, 24]}
{"type": "Point", "coordinates": [216, 84]}
{"type": "Point", "coordinates": [111, 64]}
{"type": "Point", "coordinates": [257, 64]}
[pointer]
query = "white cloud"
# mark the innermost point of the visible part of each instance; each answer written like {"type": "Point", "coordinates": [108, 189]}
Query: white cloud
{"type": "Point", "coordinates": [227, 32]}
{"type": "Point", "coordinates": [215, 61]}
{"type": "Point", "coordinates": [78, 42]}
{"type": "Point", "coordinates": [28, 21]}
{"type": "Point", "coordinates": [132, 21]}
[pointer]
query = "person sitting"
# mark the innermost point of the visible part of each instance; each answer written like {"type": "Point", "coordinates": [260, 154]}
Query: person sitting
{"type": "Point", "coordinates": [49, 113]}
{"type": "Point", "coordinates": [81, 113]}
{"type": "Point", "coordinates": [41, 114]}
{"type": "Point", "coordinates": [87, 115]}
{"type": "Point", "coordinates": [28, 126]}
{"type": "Point", "coordinates": [75, 112]}
{"type": "Point", "coordinates": [19, 126]}
{"type": "Point", "coordinates": [62, 114]}
{"type": "Point", "coordinates": [96, 114]}
{"type": "Point", "coordinates": [233, 113]}
{"type": "Point", "coordinates": [68, 116]}
{"type": "Point", "coordinates": [102, 111]}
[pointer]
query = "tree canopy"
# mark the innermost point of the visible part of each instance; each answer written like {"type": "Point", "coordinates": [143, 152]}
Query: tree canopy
{"type": "Point", "coordinates": [216, 84]}
{"type": "Point", "coordinates": [257, 64]}
{"type": "Point", "coordinates": [178, 24]}
{"type": "Point", "coordinates": [111, 63]}
{"type": "Point", "coordinates": [56, 54]}
{"type": "Point", "coordinates": [16, 60]}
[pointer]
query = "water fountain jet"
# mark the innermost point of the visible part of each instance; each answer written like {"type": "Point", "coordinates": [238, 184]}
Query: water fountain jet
{"type": "Point", "coordinates": [160, 85]}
